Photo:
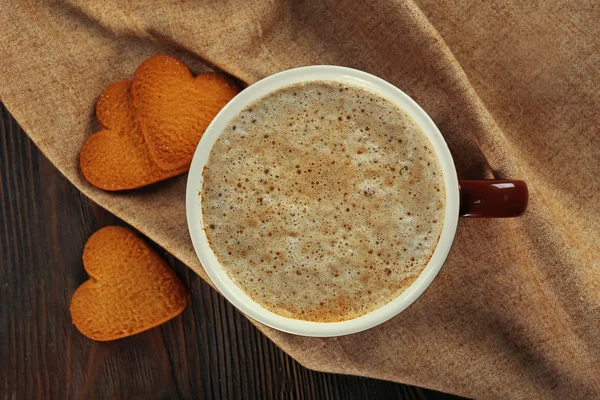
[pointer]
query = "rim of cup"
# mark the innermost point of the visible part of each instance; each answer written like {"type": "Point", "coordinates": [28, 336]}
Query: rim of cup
{"type": "Point", "coordinates": [213, 267]}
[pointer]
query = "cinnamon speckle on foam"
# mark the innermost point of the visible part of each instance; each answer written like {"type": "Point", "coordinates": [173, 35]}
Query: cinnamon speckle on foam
{"type": "Point", "coordinates": [323, 201]}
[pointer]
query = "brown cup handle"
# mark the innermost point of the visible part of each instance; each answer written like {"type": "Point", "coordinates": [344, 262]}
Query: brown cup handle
{"type": "Point", "coordinates": [492, 198]}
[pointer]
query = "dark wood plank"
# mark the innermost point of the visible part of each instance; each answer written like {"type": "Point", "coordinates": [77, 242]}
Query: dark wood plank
{"type": "Point", "coordinates": [211, 351]}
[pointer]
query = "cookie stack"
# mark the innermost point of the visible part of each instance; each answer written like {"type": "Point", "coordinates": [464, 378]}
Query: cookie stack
{"type": "Point", "coordinates": [152, 124]}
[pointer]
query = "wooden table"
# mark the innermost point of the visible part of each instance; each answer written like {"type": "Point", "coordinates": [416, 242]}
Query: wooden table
{"type": "Point", "coordinates": [209, 351]}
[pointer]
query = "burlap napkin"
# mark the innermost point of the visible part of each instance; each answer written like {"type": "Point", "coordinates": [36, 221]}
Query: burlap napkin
{"type": "Point", "coordinates": [514, 88]}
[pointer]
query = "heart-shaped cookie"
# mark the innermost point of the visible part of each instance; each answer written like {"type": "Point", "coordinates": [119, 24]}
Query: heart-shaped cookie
{"type": "Point", "coordinates": [174, 108]}
{"type": "Point", "coordinates": [117, 157]}
{"type": "Point", "coordinates": [131, 288]}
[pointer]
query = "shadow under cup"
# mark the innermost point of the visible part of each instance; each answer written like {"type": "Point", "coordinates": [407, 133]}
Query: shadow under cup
{"type": "Point", "coordinates": [470, 198]}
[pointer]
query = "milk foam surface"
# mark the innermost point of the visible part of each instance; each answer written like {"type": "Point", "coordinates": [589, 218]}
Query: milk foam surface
{"type": "Point", "coordinates": [323, 201]}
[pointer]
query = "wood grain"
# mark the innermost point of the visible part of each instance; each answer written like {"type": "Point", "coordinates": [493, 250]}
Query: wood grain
{"type": "Point", "coordinates": [210, 351]}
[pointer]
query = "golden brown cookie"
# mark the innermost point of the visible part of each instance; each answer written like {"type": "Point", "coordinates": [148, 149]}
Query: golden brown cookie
{"type": "Point", "coordinates": [174, 108]}
{"type": "Point", "coordinates": [131, 288]}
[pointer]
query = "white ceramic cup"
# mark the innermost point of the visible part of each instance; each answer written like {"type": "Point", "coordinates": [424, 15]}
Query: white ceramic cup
{"type": "Point", "coordinates": [213, 267]}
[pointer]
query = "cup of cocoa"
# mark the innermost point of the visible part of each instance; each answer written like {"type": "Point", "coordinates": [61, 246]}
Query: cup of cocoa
{"type": "Point", "coordinates": [323, 201]}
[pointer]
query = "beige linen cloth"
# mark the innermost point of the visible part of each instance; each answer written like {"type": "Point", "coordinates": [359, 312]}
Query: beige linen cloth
{"type": "Point", "coordinates": [514, 86]}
